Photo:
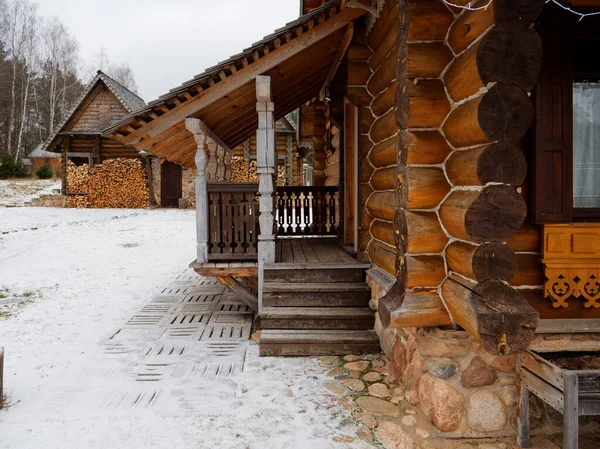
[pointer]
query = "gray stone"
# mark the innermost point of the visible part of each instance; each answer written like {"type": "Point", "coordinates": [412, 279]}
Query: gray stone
{"type": "Point", "coordinates": [442, 368]}
{"type": "Point", "coordinates": [486, 412]}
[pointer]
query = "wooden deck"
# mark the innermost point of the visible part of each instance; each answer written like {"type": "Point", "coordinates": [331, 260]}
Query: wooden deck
{"type": "Point", "coordinates": [313, 251]}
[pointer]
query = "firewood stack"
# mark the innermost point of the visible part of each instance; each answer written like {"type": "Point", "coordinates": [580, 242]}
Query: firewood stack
{"type": "Point", "coordinates": [116, 183]}
{"type": "Point", "coordinates": [79, 179]}
{"type": "Point", "coordinates": [243, 171]}
{"type": "Point", "coordinates": [280, 176]}
{"type": "Point", "coordinates": [239, 169]}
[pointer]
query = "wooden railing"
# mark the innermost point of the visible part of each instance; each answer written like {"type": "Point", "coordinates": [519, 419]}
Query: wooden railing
{"type": "Point", "coordinates": [232, 221]}
{"type": "Point", "coordinates": [306, 210]}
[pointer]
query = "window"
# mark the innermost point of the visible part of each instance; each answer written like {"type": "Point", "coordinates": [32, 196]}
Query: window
{"type": "Point", "coordinates": [586, 146]}
{"type": "Point", "coordinates": [566, 132]}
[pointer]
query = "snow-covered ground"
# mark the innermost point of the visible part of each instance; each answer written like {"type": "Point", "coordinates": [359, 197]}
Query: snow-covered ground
{"type": "Point", "coordinates": [82, 274]}
{"type": "Point", "coordinates": [17, 192]}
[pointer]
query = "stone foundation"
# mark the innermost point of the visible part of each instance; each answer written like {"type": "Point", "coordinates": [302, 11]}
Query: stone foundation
{"type": "Point", "coordinates": [48, 201]}
{"type": "Point", "coordinates": [462, 390]}
{"type": "Point", "coordinates": [188, 189]}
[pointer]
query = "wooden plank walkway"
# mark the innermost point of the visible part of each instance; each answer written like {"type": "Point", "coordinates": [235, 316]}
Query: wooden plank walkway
{"type": "Point", "coordinates": [309, 251]}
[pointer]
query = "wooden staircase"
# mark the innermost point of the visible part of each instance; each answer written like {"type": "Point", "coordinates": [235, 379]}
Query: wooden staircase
{"type": "Point", "coordinates": [318, 309]}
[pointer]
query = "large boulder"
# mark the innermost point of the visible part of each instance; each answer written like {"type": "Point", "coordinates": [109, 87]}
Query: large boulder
{"type": "Point", "coordinates": [441, 402]}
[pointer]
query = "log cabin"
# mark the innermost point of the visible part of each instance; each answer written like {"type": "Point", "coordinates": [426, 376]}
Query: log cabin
{"type": "Point", "coordinates": [445, 201]}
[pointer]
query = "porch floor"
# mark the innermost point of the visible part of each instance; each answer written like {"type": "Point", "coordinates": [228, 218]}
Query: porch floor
{"type": "Point", "coordinates": [313, 251]}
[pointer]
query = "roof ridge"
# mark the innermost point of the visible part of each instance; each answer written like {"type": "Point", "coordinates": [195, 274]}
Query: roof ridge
{"type": "Point", "coordinates": [104, 75]}
{"type": "Point", "coordinates": [100, 76]}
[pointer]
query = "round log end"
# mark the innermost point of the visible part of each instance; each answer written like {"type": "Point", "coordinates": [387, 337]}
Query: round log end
{"type": "Point", "coordinates": [502, 162]}
{"type": "Point", "coordinates": [494, 261]}
{"type": "Point", "coordinates": [528, 10]}
{"type": "Point", "coordinates": [505, 112]}
{"type": "Point", "coordinates": [506, 322]}
{"type": "Point", "coordinates": [496, 214]}
{"type": "Point", "coordinates": [511, 53]}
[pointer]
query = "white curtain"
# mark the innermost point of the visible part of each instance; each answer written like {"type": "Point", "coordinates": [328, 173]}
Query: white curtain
{"type": "Point", "coordinates": [586, 145]}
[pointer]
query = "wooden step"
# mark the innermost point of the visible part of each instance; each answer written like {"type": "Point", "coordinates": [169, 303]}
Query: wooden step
{"type": "Point", "coordinates": [320, 342]}
{"type": "Point", "coordinates": [317, 318]}
{"type": "Point", "coordinates": [331, 294]}
{"type": "Point", "coordinates": [317, 273]}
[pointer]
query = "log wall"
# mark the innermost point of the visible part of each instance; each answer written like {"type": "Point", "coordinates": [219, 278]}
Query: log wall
{"type": "Point", "coordinates": [332, 161]}
{"type": "Point", "coordinates": [449, 103]}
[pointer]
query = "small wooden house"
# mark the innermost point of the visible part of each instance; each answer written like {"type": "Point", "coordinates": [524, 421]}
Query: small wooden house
{"type": "Point", "coordinates": [454, 171]}
{"type": "Point", "coordinates": [103, 103]}
{"type": "Point", "coordinates": [38, 158]}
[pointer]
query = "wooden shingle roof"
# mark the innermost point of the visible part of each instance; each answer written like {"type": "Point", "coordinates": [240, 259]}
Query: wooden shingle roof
{"type": "Point", "coordinates": [130, 101]}
{"type": "Point", "coordinates": [297, 57]}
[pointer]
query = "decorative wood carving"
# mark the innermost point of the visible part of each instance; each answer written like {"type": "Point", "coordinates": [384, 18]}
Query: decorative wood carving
{"type": "Point", "coordinates": [571, 258]}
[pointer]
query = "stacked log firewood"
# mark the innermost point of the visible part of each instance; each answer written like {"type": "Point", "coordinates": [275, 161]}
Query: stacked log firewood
{"type": "Point", "coordinates": [119, 183]}
{"type": "Point", "coordinates": [243, 171]}
{"type": "Point", "coordinates": [239, 169]}
{"type": "Point", "coordinates": [78, 184]}
{"type": "Point", "coordinates": [116, 183]}
{"type": "Point", "coordinates": [79, 178]}
{"type": "Point", "coordinates": [280, 176]}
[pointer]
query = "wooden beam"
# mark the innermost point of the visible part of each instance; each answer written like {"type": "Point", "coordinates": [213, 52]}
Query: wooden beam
{"type": "Point", "coordinates": [339, 57]}
{"type": "Point", "coordinates": [245, 295]}
{"type": "Point", "coordinates": [413, 310]}
{"type": "Point", "coordinates": [492, 312]}
{"type": "Point", "coordinates": [246, 75]}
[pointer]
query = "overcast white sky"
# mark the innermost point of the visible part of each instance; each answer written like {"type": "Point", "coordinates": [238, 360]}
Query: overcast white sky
{"type": "Point", "coordinates": [167, 42]}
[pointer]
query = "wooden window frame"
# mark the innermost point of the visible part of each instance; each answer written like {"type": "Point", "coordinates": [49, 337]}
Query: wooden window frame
{"type": "Point", "coordinates": [555, 179]}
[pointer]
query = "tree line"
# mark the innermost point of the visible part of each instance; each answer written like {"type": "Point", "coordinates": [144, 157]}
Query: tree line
{"type": "Point", "coordinates": [42, 74]}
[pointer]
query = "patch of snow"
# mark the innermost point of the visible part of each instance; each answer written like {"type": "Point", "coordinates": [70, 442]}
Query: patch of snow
{"type": "Point", "coordinates": [18, 192]}
{"type": "Point", "coordinates": [92, 270]}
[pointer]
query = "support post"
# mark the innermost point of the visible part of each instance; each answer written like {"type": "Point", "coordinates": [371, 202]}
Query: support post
{"type": "Point", "coordinates": [265, 152]}
{"type": "Point", "coordinates": [265, 158]}
{"type": "Point", "coordinates": [193, 125]}
{"type": "Point", "coordinates": [571, 411]}
{"type": "Point", "coordinates": [221, 163]}
{"type": "Point", "coordinates": [523, 419]}
{"type": "Point", "coordinates": [212, 159]}
{"type": "Point", "coordinates": [289, 161]}
{"type": "Point", "coordinates": [228, 159]}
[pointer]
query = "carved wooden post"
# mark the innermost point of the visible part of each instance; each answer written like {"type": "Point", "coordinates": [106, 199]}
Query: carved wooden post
{"type": "Point", "coordinates": [265, 161]}
{"type": "Point", "coordinates": [202, 237]}
{"type": "Point", "coordinates": [265, 154]}
{"type": "Point", "coordinates": [228, 158]}
{"type": "Point", "coordinates": [289, 161]}
{"type": "Point", "coordinates": [212, 160]}
{"type": "Point", "coordinates": [221, 163]}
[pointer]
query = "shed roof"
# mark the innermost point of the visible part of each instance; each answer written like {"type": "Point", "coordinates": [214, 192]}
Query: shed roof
{"type": "Point", "coordinates": [298, 57]}
{"type": "Point", "coordinates": [39, 152]}
{"type": "Point", "coordinates": [130, 101]}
